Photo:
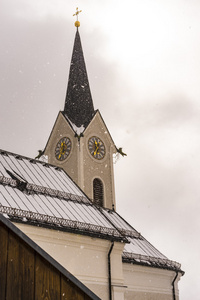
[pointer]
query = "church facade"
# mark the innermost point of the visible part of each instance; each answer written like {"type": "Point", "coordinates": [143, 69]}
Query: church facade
{"type": "Point", "coordinates": [67, 206]}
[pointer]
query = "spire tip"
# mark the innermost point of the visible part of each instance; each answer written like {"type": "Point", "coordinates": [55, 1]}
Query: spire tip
{"type": "Point", "coordinates": [77, 23]}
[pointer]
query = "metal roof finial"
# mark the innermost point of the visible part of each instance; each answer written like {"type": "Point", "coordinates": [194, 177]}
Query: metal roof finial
{"type": "Point", "coordinates": [77, 23]}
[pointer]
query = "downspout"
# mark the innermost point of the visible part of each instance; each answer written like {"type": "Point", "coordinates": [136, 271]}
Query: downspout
{"type": "Point", "coordinates": [173, 285]}
{"type": "Point", "coordinates": [109, 272]}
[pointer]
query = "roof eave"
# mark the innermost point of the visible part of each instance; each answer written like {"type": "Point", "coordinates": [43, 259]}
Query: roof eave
{"type": "Point", "coordinates": [160, 265]}
{"type": "Point", "coordinates": [83, 232]}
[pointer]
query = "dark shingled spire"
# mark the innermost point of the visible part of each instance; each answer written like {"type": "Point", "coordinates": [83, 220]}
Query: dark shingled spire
{"type": "Point", "coordinates": [78, 103]}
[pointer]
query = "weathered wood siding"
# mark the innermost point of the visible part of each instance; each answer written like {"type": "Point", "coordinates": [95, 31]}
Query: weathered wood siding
{"type": "Point", "coordinates": [26, 275]}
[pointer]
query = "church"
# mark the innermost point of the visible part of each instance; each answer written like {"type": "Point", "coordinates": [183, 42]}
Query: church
{"type": "Point", "coordinates": [64, 201]}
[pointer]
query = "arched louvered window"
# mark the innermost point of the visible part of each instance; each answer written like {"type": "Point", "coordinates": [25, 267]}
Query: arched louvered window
{"type": "Point", "coordinates": [98, 192]}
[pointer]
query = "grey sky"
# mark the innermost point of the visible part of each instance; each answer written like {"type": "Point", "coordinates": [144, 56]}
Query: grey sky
{"type": "Point", "coordinates": [143, 64]}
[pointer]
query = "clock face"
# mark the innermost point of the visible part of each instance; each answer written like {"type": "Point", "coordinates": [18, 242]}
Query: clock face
{"type": "Point", "coordinates": [63, 148]}
{"type": "Point", "coordinates": [96, 147]}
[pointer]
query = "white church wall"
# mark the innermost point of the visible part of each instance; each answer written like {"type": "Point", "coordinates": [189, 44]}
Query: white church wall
{"type": "Point", "coordinates": [147, 283]}
{"type": "Point", "coordinates": [85, 257]}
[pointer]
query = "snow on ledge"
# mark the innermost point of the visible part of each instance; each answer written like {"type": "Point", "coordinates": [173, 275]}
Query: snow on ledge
{"type": "Point", "coordinates": [76, 129]}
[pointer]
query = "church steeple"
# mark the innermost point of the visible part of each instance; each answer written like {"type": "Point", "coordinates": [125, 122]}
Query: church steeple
{"type": "Point", "coordinates": [78, 103]}
{"type": "Point", "coordinates": [80, 142]}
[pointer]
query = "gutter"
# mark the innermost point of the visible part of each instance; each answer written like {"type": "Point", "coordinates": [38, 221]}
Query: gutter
{"type": "Point", "coordinates": [173, 285]}
{"type": "Point", "coordinates": [109, 271]}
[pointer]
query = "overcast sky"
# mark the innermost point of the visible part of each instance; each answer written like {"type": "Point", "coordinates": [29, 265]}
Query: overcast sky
{"type": "Point", "coordinates": [143, 63]}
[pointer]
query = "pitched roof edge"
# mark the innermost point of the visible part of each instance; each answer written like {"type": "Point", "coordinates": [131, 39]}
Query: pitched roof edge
{"type": "Point", "coordinates": [51, 132]}
{"type": "Point", "coordinates": [33, 218]}
{"type": "Point", "coordinates": [141, 236]}
{"type": "Point", "coordinates": [32, 160]}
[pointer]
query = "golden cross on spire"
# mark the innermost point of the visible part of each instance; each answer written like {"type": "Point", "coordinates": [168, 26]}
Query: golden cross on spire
{"type": "Point", "coordinates": [77, 23]}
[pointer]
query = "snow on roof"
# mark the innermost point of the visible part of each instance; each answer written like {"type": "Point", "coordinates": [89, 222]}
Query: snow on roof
{"type": "Point", "coordinates": [140, 251]}
{"type": "Point", "coordinates": [41, 194]}
{"type": "Point", "coordinates": [37, 173]}
{"type": "Point", "coordinates": [76, 129]}
{"type": "Point", "coordinates": [45, 194]}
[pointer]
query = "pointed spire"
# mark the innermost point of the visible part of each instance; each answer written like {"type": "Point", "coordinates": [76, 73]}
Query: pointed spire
{"type": "Point", "coordinates": [78, 103]}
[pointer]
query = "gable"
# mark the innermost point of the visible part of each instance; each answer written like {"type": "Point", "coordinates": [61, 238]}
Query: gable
{"type": "Point", "coordinates": [98, 127]}
{"type": "Point", "coordinates": [61, 126]}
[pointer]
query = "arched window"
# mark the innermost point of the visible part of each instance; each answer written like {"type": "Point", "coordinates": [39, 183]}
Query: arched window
{"type": "Point", "coordinates": [98, 192]}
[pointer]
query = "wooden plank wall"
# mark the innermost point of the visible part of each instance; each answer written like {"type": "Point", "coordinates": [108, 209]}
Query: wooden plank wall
{"type": "Point", "coordinates": [25, 275]}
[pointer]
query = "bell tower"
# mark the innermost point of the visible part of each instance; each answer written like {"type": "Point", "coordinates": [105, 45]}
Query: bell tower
{"type": "Point", "coordinates": [80, 142]}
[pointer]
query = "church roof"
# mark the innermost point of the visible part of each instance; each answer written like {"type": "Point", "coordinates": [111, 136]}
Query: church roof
{"type": "Point", "coordinates": [37, 193]}
{"type": "Point", "coordinates": [44, 194]}
{"type": "Point", "coordinates": [78, 103]}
